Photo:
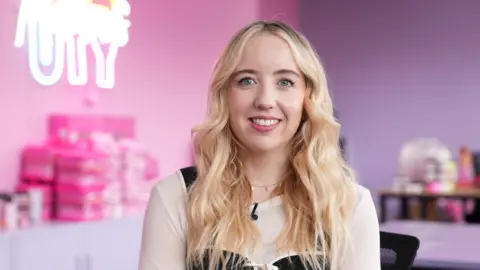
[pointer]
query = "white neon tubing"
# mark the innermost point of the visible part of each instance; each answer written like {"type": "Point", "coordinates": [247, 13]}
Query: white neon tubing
{"type": "Point", "coordinates": [50, 30]}
{"type": "Point", "coordinates": [77, 71]}
{"type": "Point", "coordinates": [105, 67]}
{"type": "Point", "coordinates": [45, 44]}
{"type": "Point", "coordinates": [35, 69]}
{"type": "Point", "coordinates": [21, 28]}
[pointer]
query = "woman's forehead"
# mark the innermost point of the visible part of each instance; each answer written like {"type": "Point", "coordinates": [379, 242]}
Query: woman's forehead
{"type": "Point", "coordinates": [267, 52]}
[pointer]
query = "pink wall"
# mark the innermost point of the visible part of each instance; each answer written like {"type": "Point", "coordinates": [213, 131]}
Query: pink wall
{"type": "Point", "coordinates": [162, 76]}
{"type": "Point", "coordinates": [399, 70]}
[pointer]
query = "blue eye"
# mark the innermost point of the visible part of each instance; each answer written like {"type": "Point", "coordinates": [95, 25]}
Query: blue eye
{"type": "Point", "coordinates": [246, 81]}
{"type": "Point", "coordinates": [286, 83]}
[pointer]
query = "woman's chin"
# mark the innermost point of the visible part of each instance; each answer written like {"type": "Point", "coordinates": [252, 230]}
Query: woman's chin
{"type": "Point", "coordinates": [264, 146]}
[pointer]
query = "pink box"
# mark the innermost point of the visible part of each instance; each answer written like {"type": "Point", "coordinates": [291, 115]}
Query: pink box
{"type": "Point", "coordinates": [74, 194]}
{"type": "Point", "coordinates": [37, 163]}
{"type": "Point", "coordinates": [72, 212]}
{"type": "Point", "coordinates": [84, 125]}
{"type": "Point", "coordinates": [81, 179]}
{"type": "Point", "coordinates": [82, 168]}
{"type": "Point", "coordinates": [77, 203]}
{"type": "Point", "coordinates": [82, 161]}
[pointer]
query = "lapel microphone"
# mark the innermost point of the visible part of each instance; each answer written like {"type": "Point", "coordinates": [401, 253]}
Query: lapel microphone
{"type": "Point", "coordinates": [253, 215]}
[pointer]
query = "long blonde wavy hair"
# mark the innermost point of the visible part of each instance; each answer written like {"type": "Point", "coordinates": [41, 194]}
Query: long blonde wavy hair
{"type": "Point", "coordinates": [319, 198]}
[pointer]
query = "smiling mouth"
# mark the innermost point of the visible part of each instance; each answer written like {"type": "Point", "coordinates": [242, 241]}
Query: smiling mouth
{"type": "Point", "coordinates": [264, 122]}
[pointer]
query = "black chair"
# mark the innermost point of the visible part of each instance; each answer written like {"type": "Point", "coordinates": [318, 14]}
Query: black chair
{"type": "Point", "coordinates": [397, 251]}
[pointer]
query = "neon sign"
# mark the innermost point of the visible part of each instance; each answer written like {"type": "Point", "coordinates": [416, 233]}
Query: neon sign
{"type": "Point", "coordinates": [60, 31]}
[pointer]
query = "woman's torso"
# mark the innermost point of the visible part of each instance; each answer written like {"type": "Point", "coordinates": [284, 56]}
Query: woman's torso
{"type": "Point", "coordinates": [270, 222]}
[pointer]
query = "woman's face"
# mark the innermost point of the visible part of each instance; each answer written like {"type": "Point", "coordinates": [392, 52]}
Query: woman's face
{"type": "Point", "coordinates": [266, 95]}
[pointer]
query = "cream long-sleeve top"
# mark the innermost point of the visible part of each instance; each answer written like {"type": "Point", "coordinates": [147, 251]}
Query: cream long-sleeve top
{"type": "Point", "coordinates": [164, 230]}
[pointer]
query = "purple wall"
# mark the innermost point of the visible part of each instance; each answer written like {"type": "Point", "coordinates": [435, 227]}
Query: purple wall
{"type": "Point", "coordinates": [399, 70]}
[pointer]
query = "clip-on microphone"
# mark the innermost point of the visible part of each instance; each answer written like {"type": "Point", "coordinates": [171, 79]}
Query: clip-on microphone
{"type": "Point", "coordinates": [253, 215]}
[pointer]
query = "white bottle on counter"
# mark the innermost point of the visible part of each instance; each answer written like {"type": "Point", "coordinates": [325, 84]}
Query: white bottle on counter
{"type": "Point", "coordinates": [35, 206]}
{"type": "Point", "coordinates": [11, 215]}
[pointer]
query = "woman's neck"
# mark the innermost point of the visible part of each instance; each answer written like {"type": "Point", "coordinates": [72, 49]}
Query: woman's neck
{"type": "Point", "coordinates": [265, 169]}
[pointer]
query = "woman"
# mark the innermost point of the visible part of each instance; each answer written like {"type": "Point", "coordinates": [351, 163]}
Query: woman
{"type": "Point", "coordinates": [271, 190]}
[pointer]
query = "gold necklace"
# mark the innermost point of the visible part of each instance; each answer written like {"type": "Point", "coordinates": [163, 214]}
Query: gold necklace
{"type": "Point", "coordinates": [265, 187]}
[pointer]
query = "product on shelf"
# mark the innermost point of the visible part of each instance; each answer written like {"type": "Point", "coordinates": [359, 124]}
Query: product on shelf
{"type": "Point", "coordinates": [22, 208]}
{"type": "Point", "coordinates": [422, 162]}
{"type": "Point", "coordinates": [39, 200]}
{"type": "Point", "coordinates": [82, 176]}
{"type": "Point", "coordinates": [37, 163]}
{"type": "Point", "coordinates": [63, 128]}
{"type": "Point", "coordinates": [138, 167]}
{"type": "Point", "coordinates": [81, 203]}
{"type": "Point", "coordinates": [8, 212]}
{"type": "Point", "coordinates": [90, 168]}
{"type": "Point", "coordinates": [465, 167]}
{"type": "Point", "coordinates": [81, 167]}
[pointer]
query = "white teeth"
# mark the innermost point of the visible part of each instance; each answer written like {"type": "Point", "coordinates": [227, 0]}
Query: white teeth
{"type": "Point", "coordinates": [265, 122]}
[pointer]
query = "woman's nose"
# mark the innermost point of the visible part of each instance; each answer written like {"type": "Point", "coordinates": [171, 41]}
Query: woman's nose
{"type": "Point", "coordinates": [265, 99]}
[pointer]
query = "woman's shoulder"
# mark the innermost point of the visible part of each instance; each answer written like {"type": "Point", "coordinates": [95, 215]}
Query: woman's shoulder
{"type": "Point", "coordinates": [168, 201]}
{"type": "Point", "coordinates": [171, 192]}
{"type": "Point", "coordinates": [173, 185]}
{"type": "Point", "coordinates": [364, 205]}
{"type": "Point", "coordinates": [362, 193]}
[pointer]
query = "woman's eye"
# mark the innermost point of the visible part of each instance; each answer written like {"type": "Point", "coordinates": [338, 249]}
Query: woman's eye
{"type": "Point", "coordinates": [246, 81]}
{"type": "Point", "coordinates": [286, 83]}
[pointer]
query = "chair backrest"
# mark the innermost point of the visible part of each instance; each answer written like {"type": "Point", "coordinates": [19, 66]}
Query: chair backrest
{"type": "Point", "coordinates": [398, 251]}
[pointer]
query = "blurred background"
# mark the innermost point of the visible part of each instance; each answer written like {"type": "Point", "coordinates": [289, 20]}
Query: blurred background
{"type": "Point", "coordinates": [90, 125]}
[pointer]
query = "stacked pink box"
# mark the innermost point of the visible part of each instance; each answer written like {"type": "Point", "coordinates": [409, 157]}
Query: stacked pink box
{"type": "Point", "coordinates": [81, 178]}
{"type": "Point", "coordinates": [91, 165]}
{"type": "Point", "coordinates": [87, 183]}
{"type": "Point", "coordinates": [38, 172]}
{"type": "Point", "coordinates": [38, 164]}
